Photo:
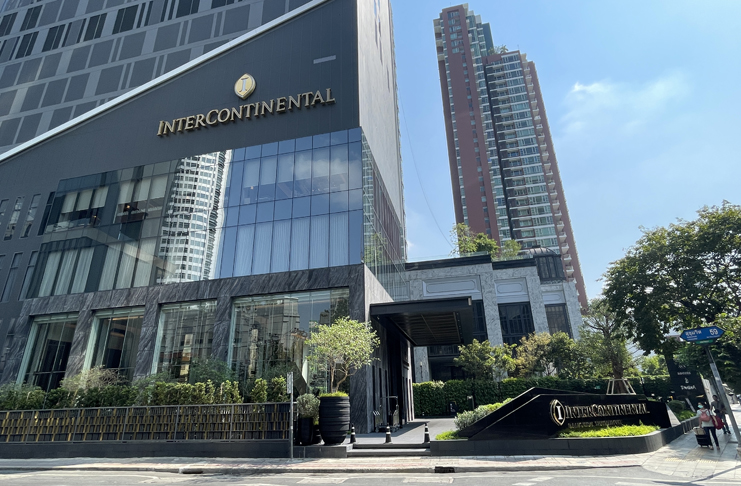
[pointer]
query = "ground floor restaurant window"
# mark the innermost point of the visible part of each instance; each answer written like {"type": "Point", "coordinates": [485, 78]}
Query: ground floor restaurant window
{"type": "Point", "coordinates": [186, 335]}
{"type": "Point", "coordinates": [50, 343]}
{"type": "Point", "coordinates": [269, 334]}
{"type": "Point", "coordinates": [114, 341]}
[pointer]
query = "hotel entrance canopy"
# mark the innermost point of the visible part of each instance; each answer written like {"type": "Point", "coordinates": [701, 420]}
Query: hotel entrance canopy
{"type": "Point", "coordinates": [433, 322]}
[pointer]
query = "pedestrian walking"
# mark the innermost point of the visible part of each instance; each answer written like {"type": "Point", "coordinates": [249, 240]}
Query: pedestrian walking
{"type": "Point", "coordinates": [706, 422]}
{"type": "Point", "coordinates": [719, 409]}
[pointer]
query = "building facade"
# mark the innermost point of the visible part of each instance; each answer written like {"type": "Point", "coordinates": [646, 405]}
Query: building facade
{"type": "Point", "coordinates": [223, 210]}
{"type": "Point", "coordinates": [503, 165]}
{"type": "Point", "coordinates": [62, 58]}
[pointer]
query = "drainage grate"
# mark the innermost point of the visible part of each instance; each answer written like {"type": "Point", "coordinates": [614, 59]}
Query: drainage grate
{"type": "Point", "coordinates": [444, 469]}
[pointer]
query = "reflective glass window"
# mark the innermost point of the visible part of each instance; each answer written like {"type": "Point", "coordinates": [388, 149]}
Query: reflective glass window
{"type": "Point", "coordinates": [250, 181]}
{"type": "Point", "coordinates": [338, 202]}
{"type": "Point", "coordinates": [247, 214]}
{"type": "Point", "coordinates": [320, 171]}
{"type": "Point", "coordinates": [320, 204]}
{"type": "Point", "coordinates": [50, 344]}
{"type": "Point", "coordinates": [265, 212]}
{"type": "Point", "coordinates": [270, 332]}
{"type": "Point", "coordinates": [261, 250]}
{"type": "Point", "coordinates": [186, 337]}
{"type": "Point", "coordinates": [268, 166]}
{"type": "Point", "coordinates": [115, 341]}
{"type": "Point", "coordinates": [301, 207]}
{"type": "Point", "coordinates": [338, 168]}
{"type": "Point", "coordinates": [284, 178]}
{"type": "Point", "coordinates": [302, 174]}
{"type": "Point", "coordinates": [283, 209]}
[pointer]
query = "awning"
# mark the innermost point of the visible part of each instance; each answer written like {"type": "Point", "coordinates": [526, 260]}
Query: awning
{"type": "Point", "coordinates": [431, 322]}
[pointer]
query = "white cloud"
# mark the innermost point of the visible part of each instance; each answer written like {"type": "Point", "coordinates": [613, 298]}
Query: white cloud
{"type": "Point", "coordinates": [624, 107]}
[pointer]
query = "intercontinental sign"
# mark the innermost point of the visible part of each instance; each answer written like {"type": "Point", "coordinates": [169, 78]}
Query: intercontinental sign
{"type": "Point", "coordinates": [560, 413]}
{"type": "Point", "coordinates": [243, 88]}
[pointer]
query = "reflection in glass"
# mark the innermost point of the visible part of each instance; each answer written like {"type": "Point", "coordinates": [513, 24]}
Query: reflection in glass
{"type": "Point", "coordinates": [186, 334]}
{"type": "Point", "coordinates": [48, 355]}
{"type": "Point", "coordinates": [270, 331]}
{"type": "Point", "coordinates": [115, 338]}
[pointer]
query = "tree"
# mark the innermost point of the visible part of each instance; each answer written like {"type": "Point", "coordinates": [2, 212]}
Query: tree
{"type": "Point", "coordinates": [466, 241]}
{"type": "Point", "coordinates": [679, 277]}
{"type": "Point", "coordinates": [543, 354]}
{"type": "Point", "coordinates": [342, 348]}
{"type": "Point", "coordinates": [652, 365]}
{"type": "Point", "coordinates": [533, 356]}
{"type": "Point", "coordinates": [510, 249]}
{"type": "Point", "coordinates": [498, 49]}
{"type": "Point", "coordinates": [482, 361]}
{"type": "Point", "coordinates": [604, 342]}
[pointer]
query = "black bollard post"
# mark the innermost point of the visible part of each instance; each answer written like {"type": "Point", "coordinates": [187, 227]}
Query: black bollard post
{"type": "Point", "coordinates": [352, 433]}
{"type": "Point", "coordinates": [388, 435]}
{"type": "Point", "coordinates": [427, 434]}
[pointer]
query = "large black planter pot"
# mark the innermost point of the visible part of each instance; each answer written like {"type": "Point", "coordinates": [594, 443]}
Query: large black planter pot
{"type": "Point", "coordinates": [306, 431]}
{"type": "Point", "coordinates": [317, 435]}
{"type": "Point", "coordinates": [334, 419]}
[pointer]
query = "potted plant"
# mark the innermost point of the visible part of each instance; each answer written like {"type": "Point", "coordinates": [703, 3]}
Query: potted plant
{"type": "Point", "coordinates": [341, 349]}
{"type": "Point", "coordinates": [308, 414]}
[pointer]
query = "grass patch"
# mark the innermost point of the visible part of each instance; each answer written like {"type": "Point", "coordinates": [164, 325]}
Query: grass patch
{"type": "Point", "coordinates": [622, 431]}
{"type": "Point", "coordinates": [685, 415]}
{"type": "Point", "coordinates": [449, 435]}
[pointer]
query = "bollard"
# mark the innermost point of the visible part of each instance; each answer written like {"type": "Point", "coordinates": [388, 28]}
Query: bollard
{"type": "Point", "coordinates": [388, 435]}
{"type": "Point", "coordinates": [352, 433]}
{"type": "Point", "coordinates": [427, 434]}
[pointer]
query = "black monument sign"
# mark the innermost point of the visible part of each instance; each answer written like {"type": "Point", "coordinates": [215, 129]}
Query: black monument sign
{"type": "Point", "coordinates": [542, 413]}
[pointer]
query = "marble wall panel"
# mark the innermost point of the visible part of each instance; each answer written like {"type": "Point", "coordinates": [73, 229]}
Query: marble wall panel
{"type": "Point", "coordinates": [83, 329]}
{"type": "Point", "coordinates": [222, 328]}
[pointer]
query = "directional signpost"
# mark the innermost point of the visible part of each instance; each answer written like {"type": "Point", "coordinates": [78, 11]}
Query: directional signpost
{"type": "Point", "coordinates": [705, 336]}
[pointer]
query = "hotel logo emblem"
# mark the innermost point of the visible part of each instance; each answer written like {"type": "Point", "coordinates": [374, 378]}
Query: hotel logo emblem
{"type": "Point", "coordinates": [244, 86]}
{"type": "Point", "coordinates": [557, 413]}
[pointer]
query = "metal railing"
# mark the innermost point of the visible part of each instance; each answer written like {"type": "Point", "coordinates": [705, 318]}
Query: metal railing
{"type": "Point", "coordinates": [250, 421]}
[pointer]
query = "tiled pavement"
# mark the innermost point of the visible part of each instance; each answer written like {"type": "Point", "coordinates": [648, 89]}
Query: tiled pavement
{"type": "Point", "coordinates": [681, 459]}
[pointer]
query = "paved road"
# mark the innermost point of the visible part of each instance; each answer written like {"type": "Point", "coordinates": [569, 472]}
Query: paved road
{"type": "Point", "coordinates": [635, 476]}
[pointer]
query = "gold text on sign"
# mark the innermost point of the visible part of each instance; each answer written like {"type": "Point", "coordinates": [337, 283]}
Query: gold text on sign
{"type": "Point", "coordinates": [308, 100]}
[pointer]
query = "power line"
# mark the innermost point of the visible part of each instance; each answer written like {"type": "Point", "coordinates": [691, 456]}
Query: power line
{"type": "Point", "coordinates": [419, 178]}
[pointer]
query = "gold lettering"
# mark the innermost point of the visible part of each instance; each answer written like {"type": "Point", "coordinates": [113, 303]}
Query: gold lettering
{"type": "Point", "coordinates": [317, 98]}
{"type": "Point", "coordinates": [179, 121]}
{"type": "Point", "coordinates": [281, 105]}
{"type": "Point", "coordinates": [224, 115]}
{"type": "Point", "coordinates": [166, 128]}
{"type": "Point", "coordinates": [306, 98]}
{"type": "Point", "coordinates": [329, 96]}
{"type": "Point", "coordinates": [249, 110]}
{"type": "Point", "coordinates": [190, 122]}
{"type": "Point", "coordinates": [267, 107]}
{"type": "Point", "coordinates": [200, 121]}
{"type": "Point", "coordinates": [292, 102]}
{"type": "Point", "coordinates": [236, 114]}
{"type": "Point", "coordinates": [209, 119]}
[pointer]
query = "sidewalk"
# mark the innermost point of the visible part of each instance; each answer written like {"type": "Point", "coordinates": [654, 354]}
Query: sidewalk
{"type": "Point", "coordinates": [682, 458]}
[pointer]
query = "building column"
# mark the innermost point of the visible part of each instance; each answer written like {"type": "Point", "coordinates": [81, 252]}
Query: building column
{"type": "Point", "coordinates": [421, 364]}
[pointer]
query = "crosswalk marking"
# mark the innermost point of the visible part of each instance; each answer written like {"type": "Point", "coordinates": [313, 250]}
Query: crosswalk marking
{"type": "Point", "coordinates": [322, 481]}
{"type": "Point", "coordinates": [523, 484]}
{"type": "Point", "coordinates": [428, 480]}
{"type": "Point", "coordinates": [541, 478]}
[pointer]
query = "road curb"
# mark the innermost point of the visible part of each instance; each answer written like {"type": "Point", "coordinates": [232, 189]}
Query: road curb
{"type": "Point", "coordinates": [247, 471]}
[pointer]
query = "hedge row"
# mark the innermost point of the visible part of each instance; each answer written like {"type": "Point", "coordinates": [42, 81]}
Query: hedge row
{"type": "Point", "coordinates": [433, 397]}
{"type": "Point", "coordinates": [24, 397]}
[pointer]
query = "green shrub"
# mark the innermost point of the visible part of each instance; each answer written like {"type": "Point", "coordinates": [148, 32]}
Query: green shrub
{"type": "Point", "coordinates": [333, 395]}
{"type": "Point", "coordinates": [21, 397]}
{"type": "Point", "coordinates": [308, 406]}
{"type": "Point", "coordinates": [429, 398]}
{"type": "Point", "coordinates": [464, 419]}
{"type": "Point", "coordinates": [277, 390]}
{"type": "Point", "coordinates": [259, 393]}
{"type": "Point", "coordinates": [677, 406]}
{"type": "Point", "coordinates": [685, 415]}
{"type": "Point", "coordinates": [458, 391]}
{"type": "Point", "coordinates": [622, 431]}
{"type": "Point", "coordinates": [449, 435]}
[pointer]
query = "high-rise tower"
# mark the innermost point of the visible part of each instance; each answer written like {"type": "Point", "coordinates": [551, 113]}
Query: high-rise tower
{"type": "Point", "coordinates": [503, 165]}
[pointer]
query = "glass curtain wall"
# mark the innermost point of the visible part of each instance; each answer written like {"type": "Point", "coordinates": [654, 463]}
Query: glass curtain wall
{"type": "Point", "coordinates": [114, 341]}
{"type": "Point", "coordinates": [50, 343]}
{"type": "Point", "coordinates": [269, 333]}
{"type": "Point", "coordinates": [186, 336]}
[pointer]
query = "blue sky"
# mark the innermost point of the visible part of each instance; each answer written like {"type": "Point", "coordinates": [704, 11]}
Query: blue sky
{"type": "Point", "coordinates": [643, 100]}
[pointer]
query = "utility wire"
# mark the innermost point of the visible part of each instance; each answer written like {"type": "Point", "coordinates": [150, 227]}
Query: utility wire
{"type": "Point", "coordinates": [419, 178]}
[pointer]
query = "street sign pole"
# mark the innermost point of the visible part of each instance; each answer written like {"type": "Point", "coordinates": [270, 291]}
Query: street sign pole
{"type": "Point", "coordinates": [289, 386]}
{"type": "Point", "coordinates": [722, 393]}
